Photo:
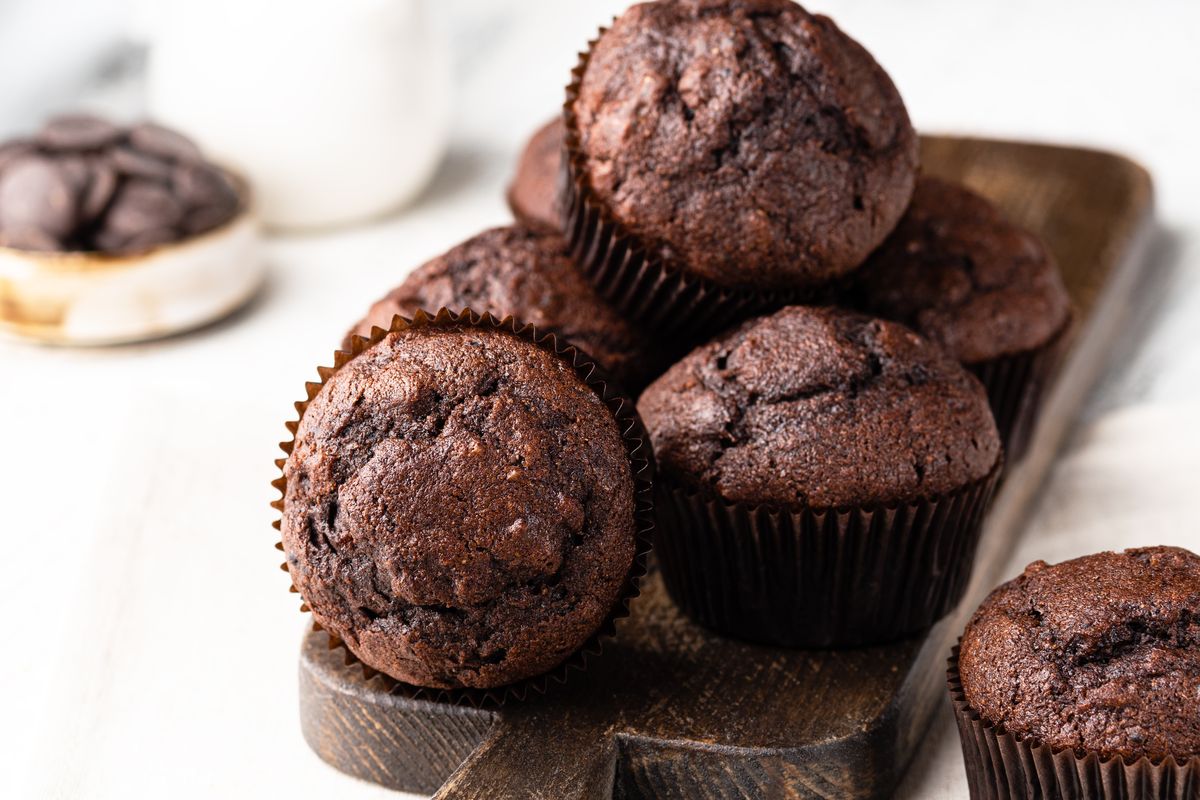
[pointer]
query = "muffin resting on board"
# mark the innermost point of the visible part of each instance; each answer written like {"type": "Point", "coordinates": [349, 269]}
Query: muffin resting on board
{"type": "Point", "coordinates": [1100, 653]}
{"type": "Point", "coordinates": [527, 273]}
{"type": "Point", "coordinates": [960, 273]}
{"type": "Point", "coordinates": [822, 479]}
{"type": "Point", "coordinates": [459, 507]}
{"type": "Point", "coordinates": [749, 142]}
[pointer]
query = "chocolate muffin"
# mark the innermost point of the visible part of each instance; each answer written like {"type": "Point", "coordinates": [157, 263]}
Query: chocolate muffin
{"type": "Point", "coordinates": [533, 193]}
{"type": "Point", "coordinates": [459, 507]}
{"type": "Point", "coordinates": [526, 273]}
{"type": "Point", "coordinates": [822, 478]}
{"type": "Point", "coordinates": [820, 407]}
{"type": "Point", "coordinates": [1099, 654]}
{"type": "Point", "coordinates": [746, 142]}
{"type": "Point", "coordinates": [959, 272]}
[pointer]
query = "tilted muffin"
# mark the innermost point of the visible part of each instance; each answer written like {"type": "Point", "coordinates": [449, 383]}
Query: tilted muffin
{"type": "Point", "coordinates": [805, 411]}
{"type": "Point", "coordinates": [533, 193]}
{"type": "Point", "coordinates": [1098, 654]}
{"type": "Point", "coordinates": [746, 142]}
{"type": "Point", "coordinates": [528, 274]}
{"type": "Point", "coordinates": [459, 507]}
{"type": "Point", "coordinates": [959, 272]}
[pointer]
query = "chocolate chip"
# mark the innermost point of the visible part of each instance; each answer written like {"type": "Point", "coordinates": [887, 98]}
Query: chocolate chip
{"type": "Point", "coordinates": [75, 169]}
{"type": "Point", "coordinates": [204, 218]}
{"type": "Point", "coordinates": [86, 184]}
{"type": "Point", "coordinates": [204, 185]}
{"type": "Point", "coordinates": [139, 206]}
{"type": "Point", "coordinates": [30, 239]}
{"type": "Point", "coordinates": [147, 240]}
{"type": "Point", "coordinates": [36, 195]}
{"type": "Point", "coordinates": [128, 161]}
{"type": "Point", "coordinates": [100, 190]}
{"type": "Point", "coordinates": [107, 240]}
{"type": "Point", "coordinates": [78, 132]}
{"type": "Point", "coordinates": [163, 142]}
{"type": "Point", "coordinates": [12, 150]}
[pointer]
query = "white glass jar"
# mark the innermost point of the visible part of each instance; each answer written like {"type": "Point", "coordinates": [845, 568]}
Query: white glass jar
{"type": "Point", "coordinates": [337, 111]}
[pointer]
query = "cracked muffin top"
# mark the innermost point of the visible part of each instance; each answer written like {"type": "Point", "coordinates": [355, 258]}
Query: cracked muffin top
{"type": "Point", "coordinates": [746, 141]}
{"type": "Point", "coordinates": [459, 508]}
{"type": "Point", "coordinates": [959, 272]}
{"type": "Point", "coordinates": [533, 194]}
{"type": "Point", "coordinates": [821, 408]}
{"type": "Point", "coordinates": [528, 274]}
{"type": "Point", "coordinates": [1099, 653]}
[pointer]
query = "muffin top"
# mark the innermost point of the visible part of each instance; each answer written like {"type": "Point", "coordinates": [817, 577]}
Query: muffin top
{"type": "Point", "coordinates": [820, 407]}
{"type": "Point", "coordinates": [528, 274]}
{"type": "Point", "coordinates": [960, 273]}
{"type": "Point", "coordinates": [1099, 653]}
{"type": "Point", "coordinates": [748, 141]}
{"type": "Point", "coordinates": [459, 508]}
{"type": "Point", "coordinates": [533, 193]}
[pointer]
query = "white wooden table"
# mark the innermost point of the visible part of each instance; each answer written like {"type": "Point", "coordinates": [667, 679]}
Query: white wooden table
{"type": "Point", "coordinates": [150, 642]}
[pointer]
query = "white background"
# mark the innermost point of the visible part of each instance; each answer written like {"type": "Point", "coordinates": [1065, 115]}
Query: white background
{"type": "Point", "coordinates": [150, 643]}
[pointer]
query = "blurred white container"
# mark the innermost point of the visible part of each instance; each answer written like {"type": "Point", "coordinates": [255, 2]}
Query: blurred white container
{"type": "Point", "coordinates": [337, 111]}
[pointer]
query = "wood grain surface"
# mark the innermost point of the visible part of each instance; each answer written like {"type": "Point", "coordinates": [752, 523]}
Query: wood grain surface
{"type": "Point", "coordinates": [673, 711]}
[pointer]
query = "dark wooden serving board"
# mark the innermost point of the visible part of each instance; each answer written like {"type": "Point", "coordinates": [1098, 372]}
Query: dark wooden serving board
{"type": "Point", "coordinates": [671, 710]}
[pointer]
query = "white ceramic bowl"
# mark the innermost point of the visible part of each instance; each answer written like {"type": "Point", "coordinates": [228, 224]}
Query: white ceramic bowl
{"type": "Point", "coordinates": [97, 299]}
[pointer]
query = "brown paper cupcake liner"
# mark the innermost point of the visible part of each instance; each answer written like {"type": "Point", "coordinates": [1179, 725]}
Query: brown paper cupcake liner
{"type": "Point", "coordinates": [1004, 766]}
{"type": "Point", "coordinates": [637, 445]}
{"type": "Point", "coordinates": [630, 275]}
{"type": "Point", "coordinates": [818, 577]}
{"type": "Point", "coordinates": [1015, 387]}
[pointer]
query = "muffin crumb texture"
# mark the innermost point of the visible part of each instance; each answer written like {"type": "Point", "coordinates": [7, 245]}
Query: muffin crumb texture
{"type": "Point", "coordinates": [1100, 653]}
{"type": "Point", "coordinates": [533, 194]}
{"type": "Point", "coordinates": [820, 407]}
{"type": "Point", "coordinates": [459, 508]}
{"type": "Point", "coordinates": [750, 141]}
{"type": "Point", "coordinates": [958, 272]}
{"type": "Point", "coordinates": [529, 274]}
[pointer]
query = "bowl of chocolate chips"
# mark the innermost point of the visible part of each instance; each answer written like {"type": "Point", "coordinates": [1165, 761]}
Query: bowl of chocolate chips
{"type": "Point", "coordinates": [112, 233]}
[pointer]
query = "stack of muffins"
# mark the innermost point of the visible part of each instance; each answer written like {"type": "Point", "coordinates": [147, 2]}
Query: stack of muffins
{"type": "Point", "coordinates": [834, 357]}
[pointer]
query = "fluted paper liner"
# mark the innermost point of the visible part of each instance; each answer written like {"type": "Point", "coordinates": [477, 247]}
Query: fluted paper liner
{"type": "Point", "coordinates": [1004, 766]}
{"type": "Point", "coordinates": [1015, 387]}
{"type": "Point", "coordinates": [637, 445]}
{"type": "Point", "coordinates": [630, 275]}
{"type": "Point", "coordinates": [818, 577]}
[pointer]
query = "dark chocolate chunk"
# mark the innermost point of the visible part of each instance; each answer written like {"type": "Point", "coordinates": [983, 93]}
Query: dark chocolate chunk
{"type": "Point", "coordinates": [137, 164]}
{"type": "Point", "coordinates": [204, 185]}
{"type": "Point", "coordinates": [142, 205]}
{"type": "Point", "coordinates": [75, 169]}
{"type": "Point", "coordinates": [163, 142]}
{"type": "Point", "coordinates": [100, 190]}
{"type": "Point", "coordinates": [85, 184]}
{"type": "Point", "coordinates": [206, 218]}
{"type": "Point", "coordinates": [30, 239]}
{"type": "Point", "coordinates": [78, 132]}
{"type": "Point", "coordinates": [37, 195]}
{"type": "Point", "coordinates": [147, 239]}
{"type": "Point", "coordinates": [10, 151]}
